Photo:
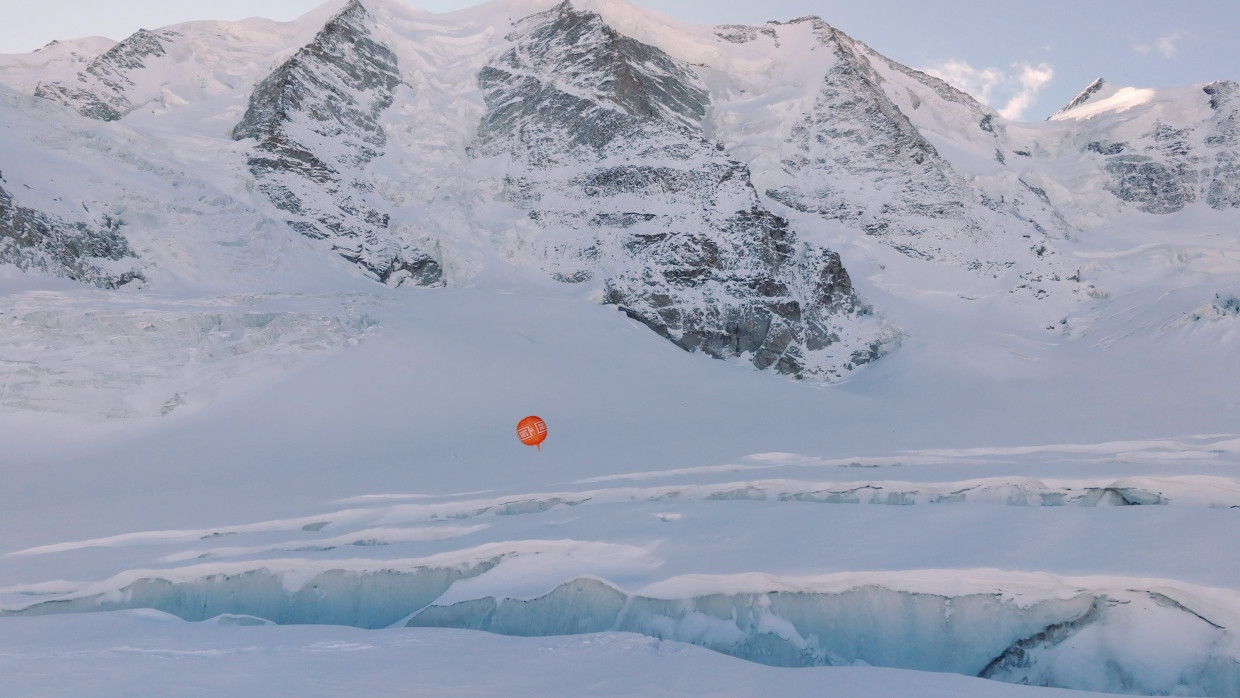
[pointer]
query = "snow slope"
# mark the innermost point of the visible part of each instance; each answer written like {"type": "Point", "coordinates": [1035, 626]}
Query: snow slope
{"type": "Point", "coordinates": [1039, 485]}
{"type": "Point", "coordinates": [221, 658]}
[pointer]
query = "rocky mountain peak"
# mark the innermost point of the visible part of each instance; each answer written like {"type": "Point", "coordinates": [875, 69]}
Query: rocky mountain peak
{"type": "Point", "coordinates": [698, 179]}
{"type": "Point", "coordinates": [1161, 164]}
{"type": "Point", "coordinates": [1094, 89]}
{"type": "Point", "coordinates": [1223, 94]}
{"type": "Point", "coordinates": [605, 144]}
{"type": "Point", "coordinates": [585, 67]}
{"type": "Point", "coordinates": [101, 89]}
{"type": "Point", "coordinates": [316, 122]}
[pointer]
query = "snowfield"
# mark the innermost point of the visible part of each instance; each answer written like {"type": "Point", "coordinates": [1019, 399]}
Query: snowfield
{"type": "Point", "coordinates": [253, 469]}
{"type": "Point", "coordinates": [381, 486]}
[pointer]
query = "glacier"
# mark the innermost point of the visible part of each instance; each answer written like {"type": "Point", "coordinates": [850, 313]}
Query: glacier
{"type": "Point", "coordinates": [852, 384]}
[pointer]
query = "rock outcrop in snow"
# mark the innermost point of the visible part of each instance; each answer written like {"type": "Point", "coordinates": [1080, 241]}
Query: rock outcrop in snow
{"type": "Point", "coordinates": [316, 120]}
{"type": "Point", "coordinates": [101, 89]}
{"type": "Point", "coordinates": [32, 240]}
{"type": "Point", "coordinates": [1224, 187]}
{"type": "Point", "coordinates": [604, 146]}
{"type": "Point", "coordinates": [1160, 162]}
{"type": "Point", "coordinates": [702, 180]}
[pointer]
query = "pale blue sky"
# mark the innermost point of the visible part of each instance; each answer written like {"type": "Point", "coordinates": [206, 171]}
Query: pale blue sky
{"type": "Point", "coordinates": [1024, 58]}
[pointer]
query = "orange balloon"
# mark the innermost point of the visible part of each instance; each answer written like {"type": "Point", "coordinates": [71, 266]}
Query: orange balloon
{"type": "Point", "coordinates": [532, 431]}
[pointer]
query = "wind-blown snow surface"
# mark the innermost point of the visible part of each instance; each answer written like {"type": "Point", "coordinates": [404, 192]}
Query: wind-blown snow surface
{"type": "Point", "coordinates": [1040, 485]}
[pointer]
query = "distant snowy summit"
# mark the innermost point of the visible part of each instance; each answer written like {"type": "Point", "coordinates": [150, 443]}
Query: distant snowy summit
{"type": "Point", "coordinates": [698, 178]}
{"type": "Point", "coordinates": [1163, 149]}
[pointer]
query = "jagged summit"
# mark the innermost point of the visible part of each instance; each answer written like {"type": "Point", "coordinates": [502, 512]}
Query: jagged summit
{"type": "Point", "coordinates": [1097, 90]}
{"type": "Point", "coordinates": [603, 141]}
{"type": "Point", "coordinates": [98, 44]}
{"type": "Point", "coordinates": [711, 182]}
{"type": "Point", "coordinates": [100, 93]}
{"type": "Point", "coordinates": [316, 120]}
{"type": "Point", "coordinates": [606, 81]}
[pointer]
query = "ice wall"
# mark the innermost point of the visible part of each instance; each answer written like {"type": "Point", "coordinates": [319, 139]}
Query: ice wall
{"type": "Point", "coordinates": [364, 599]}
{"type": "Point", "coordinates": [1122, 638]}
{"type": "Point", "coordinates": [1130, 642]}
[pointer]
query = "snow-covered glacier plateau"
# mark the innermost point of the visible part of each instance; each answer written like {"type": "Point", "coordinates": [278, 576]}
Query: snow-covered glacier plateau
{"type": "Point", "coordinates": [853, 386]}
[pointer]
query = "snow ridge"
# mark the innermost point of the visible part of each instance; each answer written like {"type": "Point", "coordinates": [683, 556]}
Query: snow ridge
{"type": "Point", "coordinates": [857, 158]}
{"type": "Point", "coordinates": [103, 87]}
{"type": "Point", "coordinates": [1094, 89]}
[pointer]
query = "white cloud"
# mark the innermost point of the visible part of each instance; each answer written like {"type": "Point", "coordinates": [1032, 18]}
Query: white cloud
{"type": "Point", "coordinates": [1164, 45]}
{"type": "Point", "coordinates": [1011, 91]}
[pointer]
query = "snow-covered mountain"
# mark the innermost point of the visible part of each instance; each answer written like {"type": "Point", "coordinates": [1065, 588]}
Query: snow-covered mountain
{"type": "Point", "coordinates": [660, 169]}
{"type": "Point", "coordinates": [272, 296]}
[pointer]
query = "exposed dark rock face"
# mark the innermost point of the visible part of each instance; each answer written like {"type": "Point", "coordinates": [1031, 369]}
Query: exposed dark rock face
{"type": "Point", "coordinates": [758, 293]}
{"type": "Point", "coordinates": [1168, 168]}
{"type": "Point", "coordinates": [1153, 186]}
{"type": "Point", "coordinates": [100, 92]}
{"type": "Point", "coordinates": [576, 85]}
{"type": "Point", "coordinates": [742, 34]}
{"type": "Point", "coordinates": [32, 240]}
{"type": "Point", "coordinates": [1162, 176]}
{"type": "Point", "coordinates": [316, 120]}
{"type": "Point", "coordinates": [602, 160]}
{"type": "Point", "coordinates": [606, 133]}
{"type": "Point", "coordinates": [1229, 305]}
{"type": "Point", "coordinates": [1224, 189]}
